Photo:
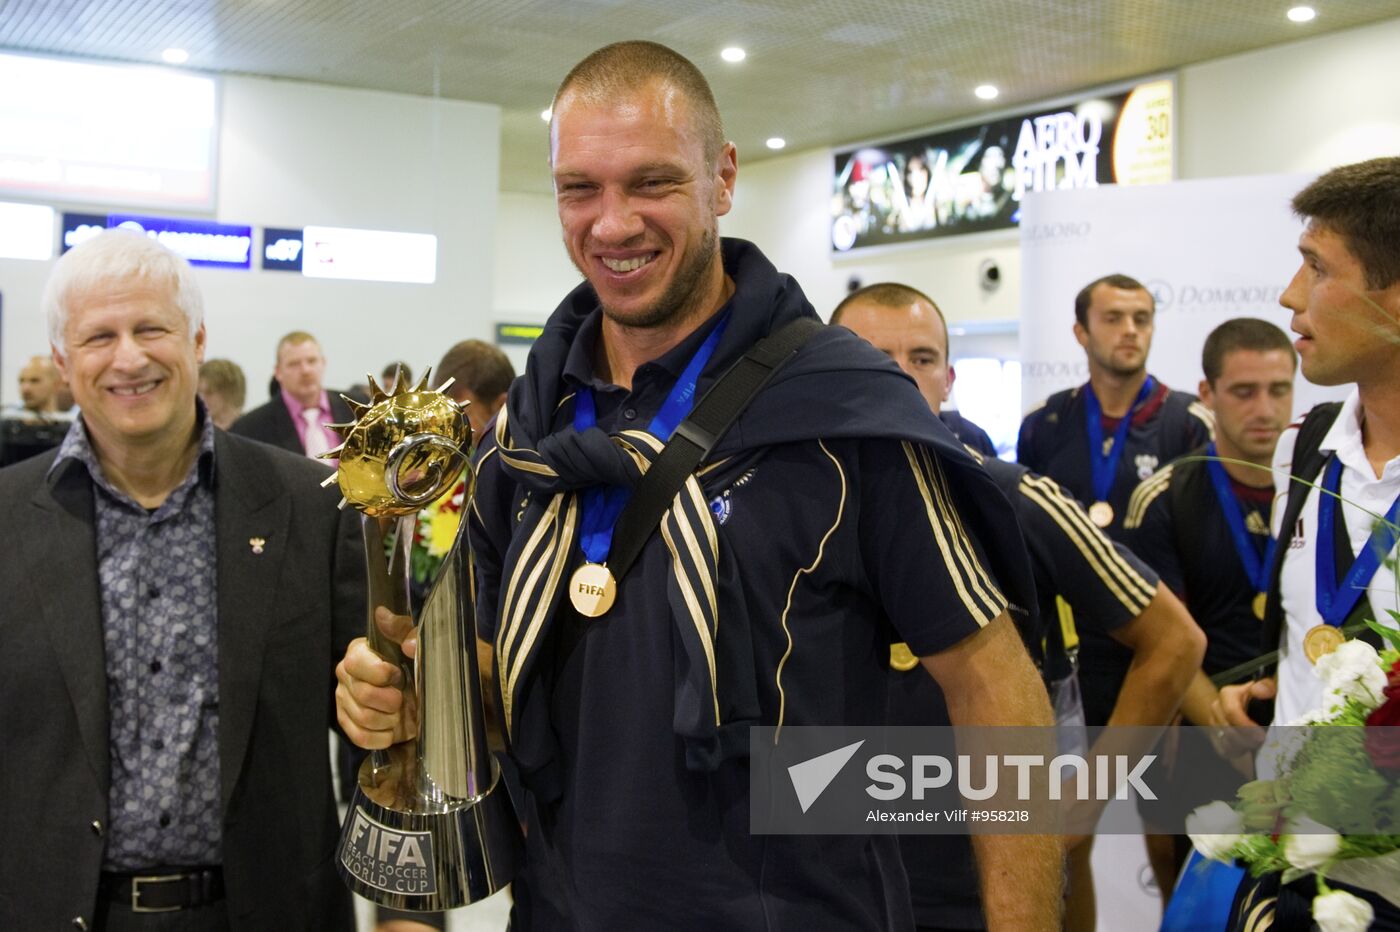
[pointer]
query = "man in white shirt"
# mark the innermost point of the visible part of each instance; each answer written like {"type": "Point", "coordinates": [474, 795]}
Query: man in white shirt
{"type": "Point", "coordinates": [1365, 491]}
{"type": "Point", "coordinates": [1345, 299]}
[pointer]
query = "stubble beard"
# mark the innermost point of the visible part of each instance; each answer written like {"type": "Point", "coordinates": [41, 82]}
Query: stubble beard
{"type": "Point", "coordinates": [681, 297]}
{"type": "Point", "coordinates": [1110, 365]}
{"type": "Point", "coordinates": [1243, 448]}
{"type": "Point", "coordinates": [1127, 371]}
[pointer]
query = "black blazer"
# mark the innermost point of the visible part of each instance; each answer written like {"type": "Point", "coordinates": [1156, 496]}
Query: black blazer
{"type": "Point", "coordinates": [285, 618]}
{"type": "Point", "coordinates": [272, 422]}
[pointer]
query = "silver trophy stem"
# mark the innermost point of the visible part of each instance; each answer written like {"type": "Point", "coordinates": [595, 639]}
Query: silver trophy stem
{"type": "Point", "coordinates": [388, 575]}
{"type": "Point", "coordinates": [430, 828]}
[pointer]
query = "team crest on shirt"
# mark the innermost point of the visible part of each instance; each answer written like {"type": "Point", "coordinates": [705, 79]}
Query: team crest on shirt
{"type": "Point", "coordinates": [1146, 464]}
{"type": "Point", "coordinates": [722, 505]}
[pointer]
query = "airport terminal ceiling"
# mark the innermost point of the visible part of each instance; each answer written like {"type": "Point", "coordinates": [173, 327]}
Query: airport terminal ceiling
{"type": "Point", "coordinates": [817, 72]}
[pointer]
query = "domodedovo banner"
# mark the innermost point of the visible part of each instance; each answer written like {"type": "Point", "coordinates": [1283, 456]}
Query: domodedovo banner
{"type": "Point", "coordinates": [1208, 250]}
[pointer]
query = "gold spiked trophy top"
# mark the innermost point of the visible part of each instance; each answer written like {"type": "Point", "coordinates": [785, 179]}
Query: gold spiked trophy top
{"type": "Point", "coordinates": [429, 828]}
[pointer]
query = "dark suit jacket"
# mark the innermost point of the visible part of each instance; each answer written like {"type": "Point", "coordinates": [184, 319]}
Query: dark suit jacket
{"type": "Point", "coordinates": [272, 422]}
{"type": "Point", "coordinates": [285, 618]}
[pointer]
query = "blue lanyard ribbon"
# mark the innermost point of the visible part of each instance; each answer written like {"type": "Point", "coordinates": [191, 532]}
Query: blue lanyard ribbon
{"type": "Point", "coordinates": [602, 505]}
{"type": "Point", "coordinates": [1104, 466]}
{"type": "Point", "coordinates": [1256, 566]}
{"type": "Point", "coordinates": [1335, 600]}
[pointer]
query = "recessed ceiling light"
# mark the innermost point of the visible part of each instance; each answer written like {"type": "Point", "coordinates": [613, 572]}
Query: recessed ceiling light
{"type": "Point", "coordinates": [546, 113]}
{"type": "Point", "coordinates": [775, 142]}
{"type": "Point", "coordinates": [986, 91]}
{"type": "Point", "coordinates": [1302, 14]}
{"type": "Point", "coordinates": [733, 54]}
{"type": "Point", "coordinates": [175, 56]}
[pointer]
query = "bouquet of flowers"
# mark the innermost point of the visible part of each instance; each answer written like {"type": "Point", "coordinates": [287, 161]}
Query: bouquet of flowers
{"type": "Point", "coordinates": [434, 534]}
{"type": "Point", "coordinates": [1327, 776]}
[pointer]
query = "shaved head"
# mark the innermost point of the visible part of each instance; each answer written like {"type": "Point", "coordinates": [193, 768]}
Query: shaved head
{"type": "Point", "coordinates": [623, 68]}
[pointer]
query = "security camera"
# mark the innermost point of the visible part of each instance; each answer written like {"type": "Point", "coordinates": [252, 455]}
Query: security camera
{"type": "Point", "coordinates": [853, 284]}
{"type": "Point", "coordinates": [989, 275]}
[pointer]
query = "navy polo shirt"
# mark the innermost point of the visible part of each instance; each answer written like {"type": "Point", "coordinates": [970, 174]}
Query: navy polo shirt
{"type": "Point", "coordinates": [837, 549]}
{"type": "Point", "coordinates": [1054, 442]}
{"type": "Point", "coordinates": [1195, 553]}
{"type": "Point", "coordinates": [1100, 581]}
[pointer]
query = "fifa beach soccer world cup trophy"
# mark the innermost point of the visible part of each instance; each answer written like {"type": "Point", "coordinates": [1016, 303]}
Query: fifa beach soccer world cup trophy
{"type": "Point", "coordinates": [430, 826]}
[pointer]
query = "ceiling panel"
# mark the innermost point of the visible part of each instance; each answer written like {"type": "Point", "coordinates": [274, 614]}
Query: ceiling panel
{"type": "Point", "coordinates": [819, 72]}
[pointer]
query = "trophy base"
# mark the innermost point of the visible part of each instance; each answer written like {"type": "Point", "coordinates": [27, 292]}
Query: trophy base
{"type": "Point", "coordinates": [441, 855]}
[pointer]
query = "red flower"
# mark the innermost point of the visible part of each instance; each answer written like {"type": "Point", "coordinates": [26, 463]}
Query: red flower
{"type": "Point", "coordinates": [1383, 726]}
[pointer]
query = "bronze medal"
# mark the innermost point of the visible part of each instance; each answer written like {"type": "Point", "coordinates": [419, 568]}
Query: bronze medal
{"type": "Point", "coordinates": [902, 658]}
{"type": "Point", "coordinates": [592, 590]}
{"type": "Point", "coordinates": [1101, 513]}
{"type": "Point", "coordinates": [1260, 601]}
{"type": "Point", "coordinates": [1320, 641]}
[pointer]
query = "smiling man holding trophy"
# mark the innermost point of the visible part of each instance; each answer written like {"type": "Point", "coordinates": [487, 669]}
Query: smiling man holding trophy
{"type": "Point", "coordinates": [656, 584]}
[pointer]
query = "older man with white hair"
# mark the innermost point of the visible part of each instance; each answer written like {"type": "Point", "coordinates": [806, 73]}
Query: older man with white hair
{"type": "Point", "coordinates": [171, 632]}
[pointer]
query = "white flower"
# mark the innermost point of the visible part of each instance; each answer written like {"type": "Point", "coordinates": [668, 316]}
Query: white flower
{"type": "Point", "coordinates": [1215, 830]}
{"type": "Point", "coordinates": [1352, 671]}
{"type": "Point", "coordinates": [1317, 716]}
{"type": "Point", "coordinates": [1339, 911]}
{"type": "Point", "coordinates": [1308, 845]}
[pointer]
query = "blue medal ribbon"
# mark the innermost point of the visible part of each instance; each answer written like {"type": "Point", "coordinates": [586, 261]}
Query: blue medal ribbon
{"type": "Point", "coordinates": [602, 505]}
{"type": "Point", "coordinates": [1335, 600]}
{"type": "Point", "coordinates": [1104, 466]}
{"type": "Point", "coordinates": [1256, 566]}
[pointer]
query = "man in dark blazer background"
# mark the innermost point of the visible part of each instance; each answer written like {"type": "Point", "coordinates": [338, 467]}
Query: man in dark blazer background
{"type": "Point", "coordinates": [175, 599]}
{"type": "Point", "coordinates": [296, 416]}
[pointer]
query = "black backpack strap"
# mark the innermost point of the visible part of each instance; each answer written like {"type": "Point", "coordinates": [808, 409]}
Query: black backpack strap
{"type": "Point", "coordinates": [1308, 460]}
{"type": "Point", "coordinates": [697, 435]}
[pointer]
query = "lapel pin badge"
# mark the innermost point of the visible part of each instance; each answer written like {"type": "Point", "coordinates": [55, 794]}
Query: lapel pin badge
{"type": "Point", "coordinates": [257, 543]}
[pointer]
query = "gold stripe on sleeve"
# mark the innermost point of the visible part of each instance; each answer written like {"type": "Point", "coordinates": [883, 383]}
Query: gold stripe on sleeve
{"type": "Point", "coordinates": [1203, 414]}
{"type": "Point", "coordinates": [472, 501]}
{"type": "Point", "coordinates": [1144, 495]}
{"type": "Point", "coordinates": [560, 544]}
{"type": "Point", "coordinates": [1126, 583]}
{"type": "Point", "coordinates": [979, 596]}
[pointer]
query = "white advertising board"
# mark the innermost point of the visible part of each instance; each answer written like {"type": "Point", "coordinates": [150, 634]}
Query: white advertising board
{"type": "Point", "coordinates": [1208, 250]}
{"type": "Point", "coordinates": [369, 255]}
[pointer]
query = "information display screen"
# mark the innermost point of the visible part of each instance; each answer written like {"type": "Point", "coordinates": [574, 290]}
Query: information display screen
{"type": "Point", "coordinates": [201, 242]}
{"type": "Point", "coordinates": [972, 179]}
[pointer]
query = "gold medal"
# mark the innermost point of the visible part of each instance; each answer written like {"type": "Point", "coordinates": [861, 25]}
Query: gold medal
{"type": "Point", "coordinates": [1320, 641]}
{"type": "Point", "coordinates": [1260, 601]}
{"type": "Point", "coordinates": [592, 590]}
{"type": "Point", "coordinates": [1101, 513]}
{"type": "Point", "coordinates": [902, 658]}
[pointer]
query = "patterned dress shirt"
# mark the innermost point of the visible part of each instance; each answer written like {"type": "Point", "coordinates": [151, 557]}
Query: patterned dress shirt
{"type": "Point", "coordinates": [157, 574]}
